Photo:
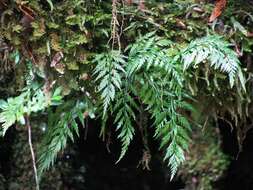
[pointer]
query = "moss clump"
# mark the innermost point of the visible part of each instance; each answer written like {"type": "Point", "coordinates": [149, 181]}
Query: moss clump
{"type": "Point", "coordinates": [206, 162]}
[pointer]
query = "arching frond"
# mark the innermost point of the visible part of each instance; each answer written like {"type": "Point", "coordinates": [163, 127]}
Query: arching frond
{"type": "Point", "coordinates": [216, 52]}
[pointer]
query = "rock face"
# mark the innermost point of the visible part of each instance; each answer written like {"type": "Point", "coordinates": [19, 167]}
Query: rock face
{"type": "Point", "coordinates": [88, 165]}
{"type": "Point", "coordinates": [206, 163]}
{"type": "Point", "coordinates": [19, 165]}
{"type": "Point", "coordinates": [21, 175]}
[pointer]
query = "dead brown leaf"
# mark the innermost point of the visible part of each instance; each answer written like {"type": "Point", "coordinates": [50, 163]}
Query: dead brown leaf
{"type": "Point", "coordinates": [217, 11]}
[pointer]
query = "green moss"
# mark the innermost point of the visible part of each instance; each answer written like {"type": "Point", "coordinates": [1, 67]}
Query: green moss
{"type": "Point", "coordinates": [206, 162]}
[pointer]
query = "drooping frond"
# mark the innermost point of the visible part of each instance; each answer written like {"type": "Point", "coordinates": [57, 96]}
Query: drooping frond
{"type": "Point", "coordinates": [217, 52]}
{"type": "Point", "coordinates": [108, 72]}
{"type": "Point", "coordinates": [124, 117]}
{"type": "Point", "coordinates": [160, 87]}
{"type": "Point", "coordinates": [62, 126]}
{"type": "Point", "coordinates": [171, 126]}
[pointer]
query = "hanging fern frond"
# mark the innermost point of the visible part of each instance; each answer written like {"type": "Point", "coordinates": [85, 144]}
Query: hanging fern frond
{"type": "Point", "coordinates": [124, 117]}
{"type": "Point", "coordinates": [217, 52]}
{"type": "Point", "coordinates": [171, 126]}
{"type": "Point", "coordinates": [108, 71]}
{"type": "Point", "coordinates": [160, 79]}
{"type": "Point", "coordinates": [62, 126]}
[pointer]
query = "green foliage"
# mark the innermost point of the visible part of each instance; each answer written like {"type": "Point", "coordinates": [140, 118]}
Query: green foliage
{"type": "Point", "coordinates": [159, 86]}
{"type": "Point", "coordinates": [215, 50]}
{"type": "Point", "coordinates": [108, 71]}
{"type": "Point", "coordinates": [31, 100]}
{"type": "Point", "coordinates": [152, 71]}
{"type": "Point", "coordinates": [124, 117]}
{"type": "Point", "coordinates": [171, 126]}
{"type": "Point", "coordinates": [158, 79]}
{"type": "Point", "coordinates": [62, 125]}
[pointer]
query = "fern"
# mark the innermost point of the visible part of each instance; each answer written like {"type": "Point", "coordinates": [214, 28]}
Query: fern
{"type": "Point", "coordinates": [217, 52]}
{"type": "Point", "coordinates": [160, 79]}
{"type": "Point", "coordinates": [108, 71]}
{"type": "Point", "coordinates": [124, 117]}
{"type": "Point", "coordinates": [62, 125]}
{"type": "Point", "coordinates": [31, 100]}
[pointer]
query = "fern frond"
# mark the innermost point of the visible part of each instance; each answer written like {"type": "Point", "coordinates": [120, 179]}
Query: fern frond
{"type": "Point", "coordinates": [159, 79]}
{"type": "Point", "coordinates": [171, 126]}
{"type": "Point", "coordinates": [216, 51]}
{"type": "Point", "coordinates": [31, 100]}
{"type": "Point", "coordinates": [62, 126]}
{"type": "Point", "coordinates": [108, 71]}
{"type": "Point", "coordinates": [124, 120]}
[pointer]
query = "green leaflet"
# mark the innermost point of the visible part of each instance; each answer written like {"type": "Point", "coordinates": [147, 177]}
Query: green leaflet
{"type": "Point", "coordinates": [51, 5]}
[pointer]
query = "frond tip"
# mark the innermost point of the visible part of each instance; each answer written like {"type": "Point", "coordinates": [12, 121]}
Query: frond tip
{"type": "Point", "coordinates": [124, 117]}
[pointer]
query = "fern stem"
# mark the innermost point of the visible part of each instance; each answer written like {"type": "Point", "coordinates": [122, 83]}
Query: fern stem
{"type": "Point", "coordinates": [28, 125]}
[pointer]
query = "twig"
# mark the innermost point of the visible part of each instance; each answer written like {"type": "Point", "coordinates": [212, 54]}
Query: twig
{"type": "Point", "coordinates": [146, 157]}
{"type": "Point", "coordinates": [86, 129]}
{"type": "Point", "coordinates": [123, 19]}
{"type": "Point", "coordinates": [115, 37]}
{"type": "Point", "coordinates": [28, 125]}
